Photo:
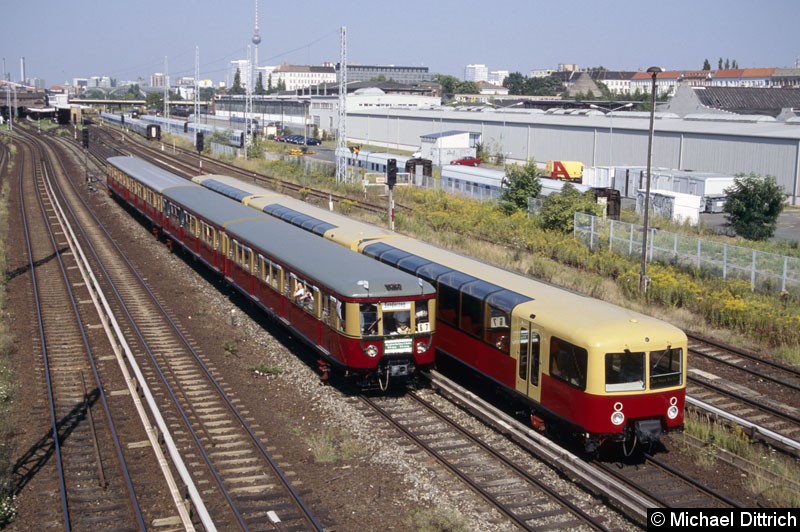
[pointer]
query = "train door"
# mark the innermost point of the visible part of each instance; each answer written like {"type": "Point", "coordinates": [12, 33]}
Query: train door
{"type": "Point", "coordinates": [525, 348]}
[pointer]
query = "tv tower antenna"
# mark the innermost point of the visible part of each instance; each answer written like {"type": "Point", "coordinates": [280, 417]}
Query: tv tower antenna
{"type": "Point", "coordinates": [256, 40]}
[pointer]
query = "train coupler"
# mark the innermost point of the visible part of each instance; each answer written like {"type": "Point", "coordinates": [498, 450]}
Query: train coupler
{"type": "Point", "coordinates": [324, 370]}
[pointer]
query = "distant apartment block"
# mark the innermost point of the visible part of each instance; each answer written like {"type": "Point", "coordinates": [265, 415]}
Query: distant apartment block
{"type": "Point", "coordinates": [497, 77]}
{"type": "Point", "coordinates": [476, 73]}
{"type": "Point", "coordinates": [407, 75]}
{"type": "Point", "coordinates": [295, 77]}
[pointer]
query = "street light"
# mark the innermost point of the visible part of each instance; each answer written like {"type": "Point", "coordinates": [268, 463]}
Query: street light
{"type": "Point", "coordinates": [503, 132]}
{"type": "Point", "coordinates": [643, 273]}
{"type": "Point", "coordinates": [611, 128]}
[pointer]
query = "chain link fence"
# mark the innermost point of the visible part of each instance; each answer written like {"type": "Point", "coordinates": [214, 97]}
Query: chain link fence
{"type": "Point", "coordinates": [765, 271]}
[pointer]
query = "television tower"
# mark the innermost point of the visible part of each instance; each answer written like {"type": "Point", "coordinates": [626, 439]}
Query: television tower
{"type": "Point", "coordinates": [256, 41]}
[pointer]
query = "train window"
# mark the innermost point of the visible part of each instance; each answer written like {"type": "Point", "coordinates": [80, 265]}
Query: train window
{"type": "Point", "coordinates": [191, 224]}
{"type": "Point", "coordinates": [262, 269]}
{"type": "Point", "coordinates": [624, 371]}
{"type": "Point", "coordinates": [448, 304]}
{"type": "Point", "coordinates": [332, 312]}
{"type": "Point", "coordinates": [666, 368]}
{"type": "Point", "coordinates": [208, 235]}
{"type": "Point", "coordinates": [471, 316]}
{"type": "Point", "coordinates": [498, 330]}
{"type": "Point", "coordinates": [242, 255]}
{"type": "Point", "coordinates": [422, 321]}
{"type": "Point", "coordinates": [275, 277]}
{"type": "Point", "coordinates": [568, 362]}
{"type": "Point", "coordinates": [528, 353]}
{"type": "Point", "coordinates": [368, 316]}
{"type": "Point", "coordinates": [396, 317]}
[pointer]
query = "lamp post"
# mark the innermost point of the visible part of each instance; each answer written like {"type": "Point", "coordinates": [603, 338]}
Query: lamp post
{"type": "Point", "coordinates": [643, 273]}
{"type": "Point", "coordinates": [611, 128]}
{"type": "Point", "coordinates": [503, 132]}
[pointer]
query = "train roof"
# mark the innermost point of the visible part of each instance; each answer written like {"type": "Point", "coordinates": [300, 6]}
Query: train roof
{"type": "Point", "coordinates": [346, 273]}
{"type": "Point", "coordinates": [554, 307]}
{"type": "Point", "coordinates": [149, 174]}
{"type": "Point", "coordinates": [316, 219]}
{"type": "Point", "coordinates": [595, 321]}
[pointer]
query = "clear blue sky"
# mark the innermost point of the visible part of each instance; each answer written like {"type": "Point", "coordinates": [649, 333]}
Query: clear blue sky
{"type": "Point", "coordinates": [125, 39]}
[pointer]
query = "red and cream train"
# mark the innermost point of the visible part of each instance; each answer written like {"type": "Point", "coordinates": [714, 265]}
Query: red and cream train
{"type": "Point", "coordinates": [602, 372]}
{"type": "Point", "coordinates": [365, 319]}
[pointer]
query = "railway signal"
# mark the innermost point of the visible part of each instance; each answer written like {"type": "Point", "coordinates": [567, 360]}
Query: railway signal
{"type": "Point", "coordinates": [391, 173]}
{"type": "Point", "coordinates": [85, 133]}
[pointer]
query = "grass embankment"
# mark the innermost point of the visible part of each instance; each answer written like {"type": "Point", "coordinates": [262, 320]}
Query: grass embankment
{"type": "Point", "coordinates": [7, 511]}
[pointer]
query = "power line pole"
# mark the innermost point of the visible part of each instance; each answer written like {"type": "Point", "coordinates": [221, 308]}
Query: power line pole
{"type": "Point", "coordinates": [341, 131]}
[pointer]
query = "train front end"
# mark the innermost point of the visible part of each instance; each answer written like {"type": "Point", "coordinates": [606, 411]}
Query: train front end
{"type": "Point", "coordinates": [627, 389]}
{"type": "Point", "coordinates": [389, 339]}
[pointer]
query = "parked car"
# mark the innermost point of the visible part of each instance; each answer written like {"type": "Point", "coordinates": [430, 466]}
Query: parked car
{"type": "Point", "coordinates": [467, 161]}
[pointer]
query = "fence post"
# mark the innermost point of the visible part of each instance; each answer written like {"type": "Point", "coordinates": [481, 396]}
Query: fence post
{"type": "Point", "coordinates": [785, 272]}
{"type": "Point", "coordinates": [725, 261]}
{"type": "Point", "coordinates": [753, 273]}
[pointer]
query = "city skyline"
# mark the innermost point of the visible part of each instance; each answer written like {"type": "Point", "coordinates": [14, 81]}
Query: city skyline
{"type": "Point", "coordinates": [126, 41]}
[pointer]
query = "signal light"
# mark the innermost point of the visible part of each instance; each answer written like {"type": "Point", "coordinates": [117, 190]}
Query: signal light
{"type": "Point", "coordinates": [391, 172]}
{"type": "Point", "coordinates": [198, 140]}
{"type": "Point", "coordinates": [85, 133]}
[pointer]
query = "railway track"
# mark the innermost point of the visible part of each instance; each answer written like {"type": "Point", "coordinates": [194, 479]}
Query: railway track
{"type": "Point", "coordinates": [240, 483]}
{"type": "Point", "coordinates": [190, 169]}
{"type": "Point", "coordinates": [92, 480]}
{"type": "Point", "coordinates": [758, 394]}
{"type": "Point", "coordinates": [520, 494]}
{"type": "Point", "coordinates": [187, 164]}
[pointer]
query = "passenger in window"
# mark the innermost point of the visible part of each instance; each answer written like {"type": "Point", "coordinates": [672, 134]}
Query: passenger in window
{"type": "Point", "coordinates": [302, 295]}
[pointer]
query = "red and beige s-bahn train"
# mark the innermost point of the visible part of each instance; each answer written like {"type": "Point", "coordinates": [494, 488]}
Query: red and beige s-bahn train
{"type": "Point", "coordinates": [367, 320]}
{"type": "Point", "coordinates": [599, 371]}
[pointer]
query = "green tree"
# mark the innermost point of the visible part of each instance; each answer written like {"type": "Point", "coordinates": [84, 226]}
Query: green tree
{"type": "Point", "coordinates": [154, 100]}
{"type": "Point", "coordinates": [467, 87]}
{"type": "Point", "coordinates": [515, 83]}
{"type": "Point", "coordinates": [448, 83]}
{"type": "Point", "coordinates": [237, 84]}
{"type": "Point", "coordinates": [520, 183]}
{"type": "Point", "coordinates": [558, 210]}
{"type": "Point", "coordinates": [706, 65]}
{"type": "Point", "coordinates": [753, 206]}
{"type": "Point", "coordinates": [259, 88]}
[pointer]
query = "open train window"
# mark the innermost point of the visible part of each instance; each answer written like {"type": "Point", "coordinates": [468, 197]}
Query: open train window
{"type": "Point", "coordinates": [568, 362]}
{"type": "Point", "coordinates": [624, 371]}
{"type": "Point", "coordinates": [666, 368]}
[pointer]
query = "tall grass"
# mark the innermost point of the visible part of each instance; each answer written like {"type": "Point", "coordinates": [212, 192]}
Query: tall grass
{"type": "Point", "coordinates": [7, 509]}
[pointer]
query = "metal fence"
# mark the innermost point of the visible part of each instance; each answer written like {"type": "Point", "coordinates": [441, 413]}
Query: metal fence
{"type": "Point", "coordinates": [765, 271]}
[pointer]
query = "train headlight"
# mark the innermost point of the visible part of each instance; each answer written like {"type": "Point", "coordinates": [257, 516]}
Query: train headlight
{"type": "Point", "coordinates": [422, 347]}
{"type": "Point", "coordinates": [672, 412]}
{"type": "Point", "coordinates": [372, 351]}
{"type": "Point", "coordinates": [617, 418]}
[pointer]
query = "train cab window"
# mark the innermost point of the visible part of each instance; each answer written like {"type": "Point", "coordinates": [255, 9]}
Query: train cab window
{"type": "Point", "coordinates": [396, 317]}
{"type": "Point", "coordinates": [568, 362]}
{"type": "Point", "coordinates": [624, 371]}
{"type": "Point", "coordinates": [666, 368]}
{"type": "Point", "coordinates": [369, 319]}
